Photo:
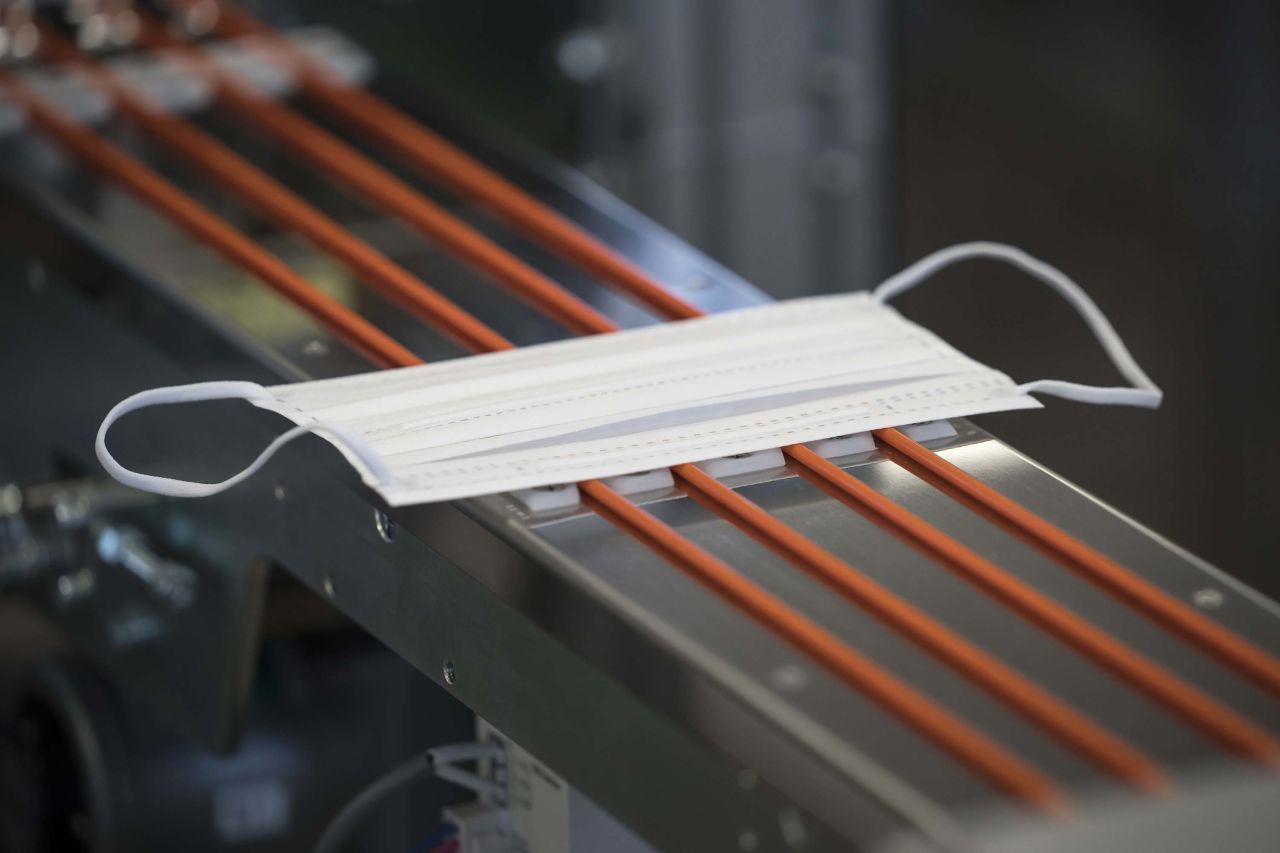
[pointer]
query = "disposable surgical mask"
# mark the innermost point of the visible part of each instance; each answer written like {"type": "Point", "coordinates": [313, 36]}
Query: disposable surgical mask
{"type": "Point", "coordinates": [688, 391]}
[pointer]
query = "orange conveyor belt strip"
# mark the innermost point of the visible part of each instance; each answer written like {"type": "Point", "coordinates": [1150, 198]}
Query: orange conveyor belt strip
{"type": "Point", "coordinates": [973, 748]}
{"type": "Point", "coordinates": [1227, 647]}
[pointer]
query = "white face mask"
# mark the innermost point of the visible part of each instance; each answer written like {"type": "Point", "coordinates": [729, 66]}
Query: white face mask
{"type": "Point", "coordinates": [615, 404]}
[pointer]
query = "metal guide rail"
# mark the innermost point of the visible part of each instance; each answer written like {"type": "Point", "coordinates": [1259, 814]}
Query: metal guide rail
{"type": "Point", "coordinates": [912, 643]}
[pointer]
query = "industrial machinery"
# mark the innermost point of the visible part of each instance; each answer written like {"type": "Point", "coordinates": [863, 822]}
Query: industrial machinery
{"type": "Point", "coordinates": [917, 640]}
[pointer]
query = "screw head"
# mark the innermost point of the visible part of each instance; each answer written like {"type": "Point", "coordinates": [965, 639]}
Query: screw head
{"type": "Point", "coordinates": [386, 527]}
{"type": "Point", "coordinates": [330, 588]}
{"type": "Point", "coordinates": [280, 491]}
{"type": "Point", "coordinates": [789, 677]}
{"type": "Point", "coordinates": [315, 348]}
{"type": "Point", "coordinates": [1208, 598]}
{"type": "Point", "coordinates": [450, 673]}
{"type": "Point", "coordinates": [697, 281]}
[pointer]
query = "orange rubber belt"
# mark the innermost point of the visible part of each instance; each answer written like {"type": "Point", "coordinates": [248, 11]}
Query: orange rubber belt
{"type": "Point", "coordinates": [1093, 742]}
{"type": "Point", "coordinates": [460, 172]}
{"type": "Point", "coordinates": [1193, 705]}
{"type": "Point", "coordinates": [1078, 732]}
{"type": "Point", "coordinates": [1224, 645]}
{"type": "Point", "coordinates": [1219, 722]}
{"type": "Point", "coordinates": [199, 222]}
{"type": "Point", "coordinates": [973, 748]}
{"type": "Point", "coordinates": [278, 203]}
{"type": "Point", "coordinates": [344, 163]}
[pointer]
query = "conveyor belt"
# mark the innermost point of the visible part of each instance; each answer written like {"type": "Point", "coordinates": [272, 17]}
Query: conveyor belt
{"type": "Point", "coordinates": [468, 178]}
{"type": "Point", "coordinates": [471, 179]}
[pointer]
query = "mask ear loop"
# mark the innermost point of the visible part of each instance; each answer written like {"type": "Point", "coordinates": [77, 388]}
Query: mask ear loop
{"type": "Point", "coordinates": [199, 391]}
{"type": "Point", "coordinates": [1144, 392]}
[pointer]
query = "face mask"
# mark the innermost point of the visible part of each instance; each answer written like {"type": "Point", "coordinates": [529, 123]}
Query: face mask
{"type": "Point", "coordinates": [688, 391]}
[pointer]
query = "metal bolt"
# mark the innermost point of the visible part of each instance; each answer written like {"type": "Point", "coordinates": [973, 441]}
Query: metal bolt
{"type": "Point", "coordinates": [697, 281]}
{"type": "Point", "coordinates": [450, 673]}
{"type": "Point", "coordinates": [330, 588]}
{"type": "Point", "coordinates": [1208, 598]}
{"type": "Point", "coordinates": [280, 491]}
{"type": "Point", "coordinates": [790, 677]}
{"type": "Point", "coordinates": [315, 348]}
{"type": "Point", "coordinates": [386, 527]}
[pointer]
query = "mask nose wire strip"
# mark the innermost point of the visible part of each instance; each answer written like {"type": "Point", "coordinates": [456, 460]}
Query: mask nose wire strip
{"type": "Point", "coordinates": [985, 757]}
{"type": "Point", "coordinates": [453, 168]}
{"type": "Point", "coordinates": [1144, 393]}
{"type": "Point", "coordinates": [1229, 729]}
{"type": "Point", "coordinates": [1053, 716]}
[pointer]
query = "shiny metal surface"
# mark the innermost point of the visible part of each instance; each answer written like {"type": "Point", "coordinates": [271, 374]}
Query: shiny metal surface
{"type": "Point", "coordinates": [677, 714]}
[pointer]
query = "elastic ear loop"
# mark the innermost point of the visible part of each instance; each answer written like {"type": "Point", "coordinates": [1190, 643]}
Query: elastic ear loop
{"type": "Point", "coordinates": [1144, 392]}
{"type": "Point", "coordinates": [199, 391]}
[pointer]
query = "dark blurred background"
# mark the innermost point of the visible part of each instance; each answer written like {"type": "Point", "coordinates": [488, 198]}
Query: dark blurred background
{"type": "Point", "coordinates": [819, 145]}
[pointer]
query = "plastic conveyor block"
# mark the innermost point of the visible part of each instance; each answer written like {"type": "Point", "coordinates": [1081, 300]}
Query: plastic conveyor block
{"type": "Point", "coordinates": [929, 430]}
{"type": "Point", "coordinates": [642, 482]}
{"type": "Point", "coordinates": [843, 445]}
{"type": "Point", "coordinates": [543, 499]}
{"type": "Point", "coordinates": [743, 463]}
